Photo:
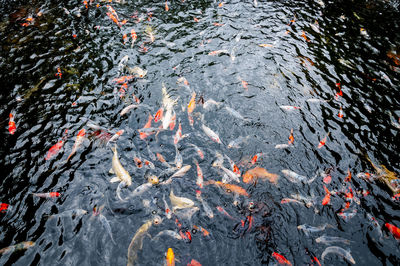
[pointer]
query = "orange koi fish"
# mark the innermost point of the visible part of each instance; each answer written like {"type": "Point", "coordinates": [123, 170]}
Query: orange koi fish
{"type": "Point", "coordinates": [124, 38]}
{"type": "Point", "coordinates": [194, 262]}
{"type": "Point", "coordinates": [170, 257]}
{"type": "Point", "coordinates": [59, 74]}
{"type": "Point", "coordinates": [198, 150]}
{"type": "Point", "coordinates": [79, 139]}
{"type": "Point", "coordinates": [56, 147]}
{"type": "Point", "coordinates": [201, 229]}
{"type": "Point", "coordinates": [258, 172]}
{"type": "Point", "coordinates": [221, 4]}
{"type": "Point", "coordinates": [166, 6]}
{"type": "Point", "coordinates": [256, 157]}
{"type": "Point", "coordinates": [323, 141]}
{"type": "Point", "coordinates": [192, 103]}
{"type": "Point", "coordinates": [327, 198]}
{"type": "Point", "coordinates": [291, 138]}
{"type": "Point", "coordinates": [340, 114]}
{"type": "Point", "coordinates": [123, 79]}
{"type": "Point", "coordinates": [11, 124]}
{"type": "Point", "coordinates": [159, 115]}
{"type": "Point", "coordinates": [340, 93]}
{"type": "Point", "coordinates": [394, 230]}
{"type": "Point", "coordinates": [221, 210]}
{"type": "Point", "coordinates": [196, 19]}
{"type": "Point", "coordinates": [148, 124]}
{"type": "Point", "coordinates": [245, 84]}
{"type": "Point", "coordinates": [281, 259]}
{"type": "Point", "coordinates": [113, 18]}
{"type": "Point", "coordinates": [47, 195]}
{"type": "Point", "coordinates": [229, 187]}
{"type": "Point", "coordinates": [133, 36]}
{"type": "Point", "coordinates": [303, 34]}
{"type": "Point", "coordinates": [85, 3]}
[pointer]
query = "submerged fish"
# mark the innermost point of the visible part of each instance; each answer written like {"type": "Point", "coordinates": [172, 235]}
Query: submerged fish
{"type": "Point", "coordinates": [170, 233]}
{"type": "Point", "coordinates": [180, 202]}
{"type": "Point", "coordinates": [293, 177]}
{"type": "Point", "coordinates": [324, 239]}
{"type": "Point", "coordinates": [214, 136]}
{"type": "Point", "coordinates": [237, 142]}
{"type": "Point", "coordinates": [311, 229]}
{"type": "Point", "coordinates": [181, 172]}
{"type": "Point", "coordinates": [229, 187]}
{"type": "Point", "coordinates": [206, 207]}
{"type": "Point", "coordinates": [258, 172]}
{"type": "Point", "coordinates": [79, 140]}
{"type": "Point", "coordinates": [137, 240]}
{"type": "Point", "coordinates": [73, 213]}
{"type": "Point", "coordinates": [339, 251]}
{"type": "Point", "coordinates": [121, 174]}
{"type": "Point", "coordinates": [19, 246]}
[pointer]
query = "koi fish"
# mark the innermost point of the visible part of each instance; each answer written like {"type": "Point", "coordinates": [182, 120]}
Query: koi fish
{"type": "Point", "coordinates": [256, 157]}
{"type": "Point", "coordinates": [148, 124]}
{"type": "Point", "coordinates": [170, 254]}
{"type": "Point", "coordinates": [258, 172]}
{"type": "Point", "coordinates": [162, 160]}
{"type": "Point", "coordinates": [198, 150]}
{"type": "Point", "coordinates": [375, 224]}
{"type": "Point", "coordinates": [200, 177]}
{"type": "Point", "coordinates": [289, 107]}
{"type": "Point", "coordinates": [56, 147]}
{"type": "Point", "coordinates": [348, 177]}
{"type": "Point", "coordinates": [206, 207]}
{"type": "Point", "coordinates": [173, 122]}
{"type": "Point", "coordinates": [232, 176]}
{"type": "Point", "coordinates": [4, 207]}
{"type": "Point", "coordinates": [178, 134]}
{"type": "Point", "coordinates": [116, 136]}
{"type": "Point", "coordinates": [121, 174]}
{"type": "Point", "coordinates": [17, 247]}
{"type": "Point", "coordinates": [159, 115]}
{"type": "Point", "coordinates": [281, 259]}
{"type": "Point", "coordinates": [291, 138]}
{"type": "Point", "coordinates": [192, 103]}
{"type": "Point", "coordinates": [166, 9]}
{"type": "Point", "coordinates": [245, 85]}
{"type": "Point", "coordinates": [237, 142]}
{"type": "Point", "coordinates": [168, 212]}
{"type": "Point", "coordinates": [194, 262]}
{"type": "Point", "coordinates": [178, 158]}
{"type": "Point", "coordinates": [181, 172]}
{"type": "Point", "coordinates": [137, 240]}
{"type": "Point", "coordinates": [347, 215]}
{"type": "Point", "coordinates": [303, 34]}
{"type": "Point", "coordinates": [339, 251]}
{"type": "Point", "coordinates": [113, 18]}
{"type": "Point", "coordinates": [289, 200]}
{"type": "Point", "coordinates": [59, 73]}
{"type": "Point", "coordinates": [123, 79]}
{"type": "Point", "coordinates": [69, 213]}
{"type": "Point", "coordinates": [128, 108]}
{"type": "Point", "coordinates": [327, 198]}
{"type": "Point", "coordinates": [340, 114]}
{"type": "Point", "coordinates": [221, 210]}
{"type": "Point", "coordinates": [324, 239]}
{"type": "Point", "coordinates": [340, 93]}
{"type": "Point", "coordinates": [11, 124]}
{"type": "Point", "coordinates": [79, 140]}
{"type": "Point", "coordinates": [323, 141]}
{"type": "Point", "coordinates": [133, 36]}
{"type": "Point", "coordinates": [168, 233]}
{"type": "Point", "coordinates": [217, 52]}
{"type": "Point", "coordinates": [311, 229]}
{"type": "Point", "coordinates": [211, 134]}
{"type": "Point", "coordinates": [265, 45]}
{"type": "Point", "coordinates": [137, 71]}
{"type": "Point", "coordinates": [47, 195]}
{"type": "Point", "coordinates": [229, 187]}
{"type": "Point", "coordinates": [180, 202]}
{"type": "Point", "coordinates": [293, 177]}
{"type": "Point", "coordinates": [234, 167]}
{"type": "Point", "coordinates": [394, 230]}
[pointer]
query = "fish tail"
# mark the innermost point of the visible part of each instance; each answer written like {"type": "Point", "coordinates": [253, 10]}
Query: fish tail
{"type": "Point", "coordinates": [114, 149]}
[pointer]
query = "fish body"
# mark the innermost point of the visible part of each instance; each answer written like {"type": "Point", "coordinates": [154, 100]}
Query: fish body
{"type": "Point", "coordinates": [128, 108]}
{"type": "Point", "coordinates": [186, 213]}
{"type": "Point", "coordinates": [11, 124]}
{"type": "Point", "coordinates": [281, 259]}
{"type": "Point", "coordinates": [170, 233]}
{"type": "Point", "coordinates": [141, 189]}
{"type": "Point", "coordinates": [121, 174]}
{"type": "Point", "coordinates": [170, 253]}
{"type": "Point", "coordinates": [347, 215]}
{"type": "Point", "coordinates": [327, 198]}
{"type": "Point", "coordinates": [116, 136]}
{"type": "Point", "coordinates": [137, 240]}
{"type": "Point", "coordinates": [162, 160]}
{"type": "Point", "coordinates": [237, 142]}
{"type": "Point", "coordinates": [47, 195]}
{"type": "Point", "coordinates": [327, 240]}
{"type": "Point", "coordinates": [198, 150]}
{"type": "Point", "coordinates": [234, 113]}
{"type": "Point", "coordinates": [394, 230]}
{"type": "Point", "coordinates": [159, 115]}
{"type": "Point", "coordinates": [289, 107]}
{"type": "Point", "coordinates": [211, 102]}
{"type": "Point", "coordinates": [178, 158]}
{"type": "Point", "coordinates": [180, 202]}
{"type": "Point", "coordinates": [192, 103]}
{"type": "Point", "coordinates": [229, 187]}
{"type": "Point", "coordinates": [217, 52]}
{"type": "Point", "coordinates": [206, 207]}
{"type": "Point", "coordinates": [19, 246]}
{"type": "Point", "coordinates": [293, 177]}
{"type": "Point", "coordinates": [232, 176]}
{"type": "Point", "coordinates": [106, 226]}
{"type": "Point", "coordinates": [168, 211]}
{"type": "Point", "coordinates": [137, 72]}
{"type": "Point", "coordinates": [311, 229]}
{"type": "Point", "coordinates": [78, 141]}
{"type": "Point", "coordinates": [134, 37]}
{"type": "Point", "coordinates": [178, 134]}
{"type": "Point", "coordinates": [144, 135]}
{"type": "Point", "coordinates": [70, 213]}
{"type": "Point", "coordinates": [211, 134]}
{"type": "Point", "coordinates": [339, 251]}
{"type": "Point", "coordinates": [54, 149]}
{"type": "Point", "coordinates": [258, 172]}
{"type": "Point", "coordinates": [200, 177]}
{"type": "Point", "coordinates": [224, 212]}
{"type": "Point", "coordinates": [282, 146]}
{"type": "Point", "coordinates": [323, 141]}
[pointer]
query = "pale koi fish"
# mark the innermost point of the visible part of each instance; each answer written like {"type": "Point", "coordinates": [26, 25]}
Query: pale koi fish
{"type": "Point", "coordinates": [327, 240]}
{"type": "Point", "coordinates": [339, 251]}
{"type": "Point", "coordinates": [311, 229]}
{"type": "Point", "coordinates": [79, 140]}
{"type": "Point", "coordinates": [289, 107]}
{"type": "Point", "coordinates": [116, 136]}
{"type": "Point", "coordinates": [293, 177]}
{"type": "Point", "coordinates": [211, 134]}
{"type": "Point", "coordinates": [198, 150]}
{"type": "Point", "coordinates": [217, 52]}
{"type": "Point", "coordinates": [200, 177]}
{"type": "Point", "coordinates": [237, 142]}
{"type": "Point", "coordinates": [206, 207]}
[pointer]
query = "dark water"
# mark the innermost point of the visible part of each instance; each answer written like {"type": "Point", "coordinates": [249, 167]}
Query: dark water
{"type": "Point", "coordinates": [350, 47]}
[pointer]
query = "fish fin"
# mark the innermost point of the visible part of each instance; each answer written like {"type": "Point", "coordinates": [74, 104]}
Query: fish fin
{"type": "Point", "coordinates": [114, 149]}
{"type": "Point", "coordinates": [114, 179]}
{"type": "Point", "coordinates": [111, 171]}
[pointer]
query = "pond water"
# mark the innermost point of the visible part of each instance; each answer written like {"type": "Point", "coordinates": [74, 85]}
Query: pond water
{"type": "Point", "coordinates": [251, 72]}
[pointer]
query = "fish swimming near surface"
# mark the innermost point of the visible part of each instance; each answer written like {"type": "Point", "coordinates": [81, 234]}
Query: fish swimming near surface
{"type": "Point", "coordinates": [78, 141]}
{"type": "Point", "coordinates": [312, 229]}
{"type": "Point", "coordinates": [180, 202]}
{"type": "Point", "coordinates": [211, 134]}
{"type": "Point", "coordinates": [293, 177]}
{"type": "Point", "coordinates": [327, 240]}
{"type": "Point", "coordinates": [137, 240]}
{"type": "Point", "coordinates": [121, 174]}
{"type": "Point", "coordinates": [229, 187]}
{"type": "Point", "coordinates": [170, 258]}
{"type": "Point", "coordinates": [258, 172]}
{"type": "Point", "coordinates": [339, 251]}
{"type": "Point", "coordinates": [11, 124]}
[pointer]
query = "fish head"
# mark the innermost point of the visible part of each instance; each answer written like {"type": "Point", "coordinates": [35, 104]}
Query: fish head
{"type": "Point", "coordinates": [153, 180]}
{"type": "Point", "coordinates": [157, 220]}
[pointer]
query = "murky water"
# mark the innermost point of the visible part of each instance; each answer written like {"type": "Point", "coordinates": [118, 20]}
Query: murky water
{"type": "Point", "coordinates": [336, 65]}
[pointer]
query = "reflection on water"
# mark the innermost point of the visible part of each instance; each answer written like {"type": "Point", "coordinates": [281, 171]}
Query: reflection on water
{"type": "Point", "coordinates": [252, 132]}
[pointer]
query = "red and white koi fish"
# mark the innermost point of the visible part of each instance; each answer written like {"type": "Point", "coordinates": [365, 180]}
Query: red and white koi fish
{"type": "Point", "coordinates": [289, 107]}
{"type": "Point", "coordinates": [123, 79]}
{"type": "Point", "coordinates": [168, 211]}
{"type": "Point", "coordinates": [327, 198]}
{"type": "Point", "coordinates": [56, 147]}
{"type": "Point", "coordinates": [178, 134]}
{"type": "Point", "coordinates": [291, 138]}
{"type": "Point", "coordinates": [214, 137]}
{"type": "Point", "coordinates": [11, 124]}
{"type": "Point", "coordinates": [206, 207]}
{"type": "Point", "coordinates": [4, 207]}
{"type": "Point", "coordinates": [281, 259]}
{"type": "Point", "coordinates": [113, 15]}
{"type": "Point", "coordinates": [340, 114]}
{"type": "Point", "coordinates": [198, 150]}
{"type": "Point", "coordinates": [234, 167]}
{"type": "Point", "coordinates": [217, 52]}
{"type": "Point", "coordinates": [159, 115]}
{"type": "Point", "coordinates": [173, 122]}
{"type": "Point", "coordinates": [221, 210]}
{"type": "Point", "coordinates": [347, 215]}
{"type": "Point", "coordinates": [200, 177]}
{"type": "Point", "coordinates": [116, 136]}
{"type": "Point", "coordinates": [47, 195]}
{"type": "Point", "coordinates": [256, 158]}
{"type": "Point", "coordinates": [323, 141]}
{"type": "Point", "coordinates": [133, 36]}
{"type": "Point", "coordinates": [394, 230]}
{"type": "Point", "coordinates": [78, 141]}
{"type": "Point", "coordinates": [128, 108]}
{"type": "Point", "coordinates": [59, 74]}
{"type": "Point", "coordinates": [340, 93]}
